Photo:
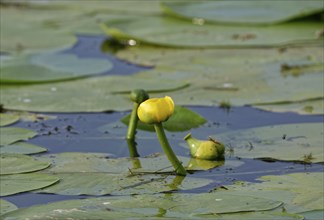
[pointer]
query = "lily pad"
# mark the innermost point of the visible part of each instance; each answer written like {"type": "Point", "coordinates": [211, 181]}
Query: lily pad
{"type": "Point", "coordinates": [7, 119]}
{"type": "Point", "coordinates": [303, 107]}
{"type": "Point", "coordinates": [288, 188]}
{"type": "Point", "coordinates": [171, 32]}
{"type": "Point", "coordinates": [6, 206]}
{"type": "Point", "coordinates": [183, 119]}
{"type": "Point", "coordinates": [315, 214]}
{"type": "Point", "coordinates": [21, 148]}
{"type": "Point", "coordinates": [240, 77]}
{"type": "Point", "coordinates": [50, 67]}
{"type": "Point", "coordinates": [17, 183]}
{"type": "Point", "coordinates": [111, 92]}
{"type": "Point", "coordinates": [146, 206]}
{"type": "Point", "coordinates": [10, 135]}
{"type": "Point", "coordinates": [291, 142]}
{"type": "Point", "coordinates": [17, 163]}
{"type": "Point", "coordinates": [243, 12]}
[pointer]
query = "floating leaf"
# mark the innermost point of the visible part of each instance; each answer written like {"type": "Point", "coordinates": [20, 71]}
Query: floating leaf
{"type": "Point", "coordinates": [300, 192]}
{"type": "Point", "coordinates": [292, 142]}
{"type": "Point", "coordinates": [17, 163]}
{"type": "Point", "coordinates": [183, 206]}
{"type": "Point", "coordinates": [21, 148]}
{"type": "Point", "coordinates": [171, 32]}
{"type": "Point", "coordinates": [183, 119]}
{"type": "Point", "coordinates": [240, 77]}
{"type": "Point", "coordinates": [243, 12]}
{"type": "Point", "coordinates": [17, 183]}
{"type": "Point", "coordinates": [315, 214]}
{"type": "Point", "coordinates": [83, 183]}
{"type": "Point", "coordinates": [50, 67]}
{"type": "Point", "coordinates": [302, 107]}
{"type": "Point", "coordinates": [6, 206]}
{"type": "Point", "coordinates": [110, 93]}
{"type": "Point", "coordinates": [10, 135]}
{"type": "Point", "coordinates": [7, 119]}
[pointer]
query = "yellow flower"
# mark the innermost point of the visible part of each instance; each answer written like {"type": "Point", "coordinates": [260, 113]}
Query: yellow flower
{"type": "Point", "coordinates": [155, 110]}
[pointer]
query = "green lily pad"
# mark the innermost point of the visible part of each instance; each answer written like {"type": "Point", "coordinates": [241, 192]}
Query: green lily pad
{"type": "Point", "coordinates": [7, 119]}
{"type": "Point", "coordinates": [183, 119]}
{"type": "Point", "coordinates": [17, 163]}
{"type": "Point", "coordinates": [21, 148]}
{"type": "Point", "coordinates": [314, 215]}
{"type": "Point", "coordinates": [17, 183]}
{"type": "Point", "coordinates": [291, 142]}
{"type": "Point", "coordinates": [10, 135]}
{"type": "Point", "coordinates": [166, 31]}
{"type": "Point", "coordinates": [111, 92]}
{"type": "Point", "coordinates": [50, 67]}
{"type": "Point", "coordinates": [6, 206]}
{"type": "Point", "coordinates": [240, 77]}
{"type": "Point", "coordinates": [183, 206]}
{"type": "Point", "coordinates": [300, 192]}
{"type": "Point", "coordinates": [243, 12]}
{"type": "Point", "coordinates": [303, 107]}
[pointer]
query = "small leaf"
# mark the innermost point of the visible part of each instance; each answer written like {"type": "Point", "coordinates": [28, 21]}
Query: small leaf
{"type": "Point", "coordinates": [7, 119]}
{"type": "Point", "coordinates": [6, 206]}
{"type": "Point", "coordinates": [21, 148]}
{"type": "Point", "coordinates": [9, 135]}
{"type": "Point", "coordinates": [18, 163]}
{"type": "Point", "coordinates": [17, 183]}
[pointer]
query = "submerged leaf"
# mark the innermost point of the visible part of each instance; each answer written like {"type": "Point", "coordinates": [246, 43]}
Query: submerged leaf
{"type": "Point", "coordinates": [182, 119]}
{"type": "Point", "coordinates": [243, 12]}
{"type": "Point", "coordinates": [17, 183]}
{"type": "Point", "coordinates": [10, 135]}
{"type": "Point", "coordinates": [17, 163]}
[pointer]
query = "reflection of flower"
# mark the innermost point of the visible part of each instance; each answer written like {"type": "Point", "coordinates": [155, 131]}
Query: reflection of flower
{"type": "Point", "coordinates": [155, 110]}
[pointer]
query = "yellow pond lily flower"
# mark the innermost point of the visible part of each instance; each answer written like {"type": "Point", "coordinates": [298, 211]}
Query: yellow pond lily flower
{"type": "Point", "coordinates": [155, 110]}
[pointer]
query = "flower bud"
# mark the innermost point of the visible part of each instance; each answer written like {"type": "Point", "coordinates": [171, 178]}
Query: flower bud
{"type": "Point", "coordinates": [139, 95]}
{"type": "Point", "coordinates": [205, 150]}
{"type": "Point", "coordinates": [155, 110]}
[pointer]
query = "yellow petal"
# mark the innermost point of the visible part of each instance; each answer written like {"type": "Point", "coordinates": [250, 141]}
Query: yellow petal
{"type": "Point", "coordinates": [155, 110]}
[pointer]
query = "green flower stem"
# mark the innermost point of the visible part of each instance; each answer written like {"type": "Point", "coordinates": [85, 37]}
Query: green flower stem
{"type": "Point", "coordinates": [180, 170]}
{"type": "Point", "coordinates": [132, 123]}
{"type": "Point", "coordinates": [132, 148]}
{"type": "Point", "coordinates": [131, 132]}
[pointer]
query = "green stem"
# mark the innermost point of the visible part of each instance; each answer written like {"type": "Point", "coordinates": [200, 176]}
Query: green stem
{"type": "Point", "coordinates": [180, 170]}
{"type": "Point", "coordinates": [132, 122]}
{"type": "Point", "coordinates": [131, 132]}
{"type": "Point", "coordinates": [132, 148]}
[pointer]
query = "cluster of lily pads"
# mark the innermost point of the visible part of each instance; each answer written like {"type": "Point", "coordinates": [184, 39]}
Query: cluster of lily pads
{"type": "Point", "coordinates": [226, 56]}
